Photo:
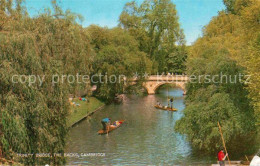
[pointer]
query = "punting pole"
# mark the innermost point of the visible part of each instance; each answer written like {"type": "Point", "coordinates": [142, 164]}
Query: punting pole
{"type": "Point", "coordinates": [223, 142]}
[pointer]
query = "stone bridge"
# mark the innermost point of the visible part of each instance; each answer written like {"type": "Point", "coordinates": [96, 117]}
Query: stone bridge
{"type": "Point", "coordinates": [154, 81]}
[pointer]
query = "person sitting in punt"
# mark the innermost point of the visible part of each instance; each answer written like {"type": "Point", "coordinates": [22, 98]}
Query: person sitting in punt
{"type": "Point", "coordinates": [116, 123]}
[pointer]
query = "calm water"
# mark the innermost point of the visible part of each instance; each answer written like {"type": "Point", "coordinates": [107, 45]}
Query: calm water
{"type": "Point", "coordinates": [147, 136]}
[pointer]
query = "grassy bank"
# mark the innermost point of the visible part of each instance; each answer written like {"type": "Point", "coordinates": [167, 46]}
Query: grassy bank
{"type": "Point", "coordinates": [85, 108]}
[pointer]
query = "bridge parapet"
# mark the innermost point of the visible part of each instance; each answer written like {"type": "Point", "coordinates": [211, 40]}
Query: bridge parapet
{"type": "Point", "coordinates": [164, 77]}
{"type": "Point", "coordinates": [154, 81]}
{"type": "Point", "coordinates": [168, 78]}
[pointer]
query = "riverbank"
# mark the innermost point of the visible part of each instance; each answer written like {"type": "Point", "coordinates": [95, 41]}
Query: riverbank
{"type": "Point", "coordinates": [84, 109]}
{"type": "Point", "coordinates": [147, 131]}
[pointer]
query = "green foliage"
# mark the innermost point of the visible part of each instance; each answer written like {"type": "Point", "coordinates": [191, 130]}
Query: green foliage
{"type": "Point", "coordinates": [226, 48]}
{"type": "Point", "coordinates": [176, 61]}
{"type": "Point", "coordinates": [253, 69]}
{"type": "Point", "coordinates": [155, 25]}
{"type": "Point", "coordinates": [235, 6]}
{"type": "Point", "coordinates": [201, 117]}
{"type": "Point", "coordinates": [117, 54]}
{"type": "Point", "coordinates": [229, 5]}
{"type": "Point", "coordinates": [212, 102]}
{"type": "Point", "coordinates": [33, 118]}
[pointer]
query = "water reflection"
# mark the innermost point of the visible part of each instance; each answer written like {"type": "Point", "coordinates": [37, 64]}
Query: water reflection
{"type": "Point", "coordinates": [147, 136]}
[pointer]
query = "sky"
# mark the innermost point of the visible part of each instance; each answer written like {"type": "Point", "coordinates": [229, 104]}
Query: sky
{"type": "Point", "coordinates": [193, 14]}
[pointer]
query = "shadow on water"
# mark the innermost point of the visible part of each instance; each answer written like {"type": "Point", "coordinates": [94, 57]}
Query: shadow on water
{"type": "Point", "coordinates": [147, 136]}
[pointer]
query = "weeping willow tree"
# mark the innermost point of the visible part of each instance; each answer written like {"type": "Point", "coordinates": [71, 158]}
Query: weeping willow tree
{"type": "Point", "coordinates": [229, 45]}
{"type": "Point", "coordinates": [33, 117]}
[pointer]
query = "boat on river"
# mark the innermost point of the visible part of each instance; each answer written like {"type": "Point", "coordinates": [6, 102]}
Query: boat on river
{"type": "Point", "coordinates": [111, 127]}
{"type": "Point", "coordinates": [165, 108]}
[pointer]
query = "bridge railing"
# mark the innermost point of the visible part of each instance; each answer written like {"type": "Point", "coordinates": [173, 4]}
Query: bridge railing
{"type": "Point", "coordinates": [182, 78]}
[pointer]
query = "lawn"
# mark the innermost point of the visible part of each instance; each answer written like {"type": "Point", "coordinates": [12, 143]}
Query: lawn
{"type": "Point", "coordinates": [85, 108]}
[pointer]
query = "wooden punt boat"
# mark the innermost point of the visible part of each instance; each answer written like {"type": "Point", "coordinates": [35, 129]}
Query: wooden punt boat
{"type": "Point", "coordinates": [166, 108]}
{"type": "Point", "coordinates": [163, 108]}
{"type": "Point", "coordinates": [111, 127]}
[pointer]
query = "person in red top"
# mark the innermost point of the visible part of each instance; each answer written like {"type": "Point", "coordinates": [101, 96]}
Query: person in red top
{"type": "Point", "coordinates": [221, 157]}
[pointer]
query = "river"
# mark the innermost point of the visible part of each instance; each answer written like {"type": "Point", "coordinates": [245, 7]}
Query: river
{"type": "Point", "coordinates": [146, 138]}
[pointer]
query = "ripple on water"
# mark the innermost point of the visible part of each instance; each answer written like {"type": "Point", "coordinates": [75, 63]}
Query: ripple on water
{"type": "Point", "coordinates": [147, 136]}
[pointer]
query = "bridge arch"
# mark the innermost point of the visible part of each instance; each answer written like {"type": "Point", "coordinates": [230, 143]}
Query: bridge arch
{"type": "Point", "coordinates": [151, 87]}
{"type": "Point", "coordinates": [176, 84]}
{"type": "Point", "coordinates": [155, 81]}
